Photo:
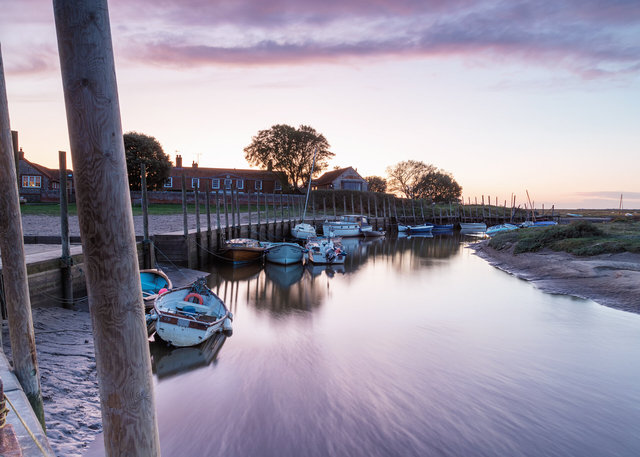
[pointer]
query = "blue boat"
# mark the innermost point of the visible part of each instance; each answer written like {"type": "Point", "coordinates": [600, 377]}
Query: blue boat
{"type": "Point", "coordinates": [439, 228]}
{"type": "Point", "coordinates": [501, 228]}
{"type": "Point", "coordinates": [424, 228]}
{"type": "Point", "coordinates": [152, 282]}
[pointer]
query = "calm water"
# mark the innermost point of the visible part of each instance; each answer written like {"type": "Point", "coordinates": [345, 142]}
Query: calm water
{"type": "Point", "coordinates": [415, 347]}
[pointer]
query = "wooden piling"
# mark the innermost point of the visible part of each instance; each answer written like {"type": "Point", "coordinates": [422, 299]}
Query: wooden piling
{"type": "Point", "coordinates": [196, 197]}
{"type": "Point", "coordinates": [65, 260]}
{"type": "Point", "coordinates": [227, 233]}
{"type": "Point", "coordinates": [185, 220]}
{"type": "Point", "coordinates": [249, 211]}
{"type": "Point", "coordinates": [14, 268]}
{"type": "Point", "coordinates": [146, 243]}
{"type": "Point", "coordinates": [106, 226]}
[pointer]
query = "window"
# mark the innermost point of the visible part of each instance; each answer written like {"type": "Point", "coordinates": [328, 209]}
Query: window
{"type": "Point", "coordinates": [258, 185]}
{"type": "Point", "coordinates": [351, 185]}
{"type": "Point", "coordinates": [239, 183]}
{"type": "Point", "coordinates": [55, 185]}
{"type": "Point", "coordinates": [168, 182]}
{"type": "Point", "coordinates": [278, 186]}
{"type": "Point", "coordinates": [31, 181]}
{"type": "Point", "coordinates": [215, 184]}
{"type": "Point", "coordinates": [227, 184]}
{"type": "Point", "coordinates": [195, 183]}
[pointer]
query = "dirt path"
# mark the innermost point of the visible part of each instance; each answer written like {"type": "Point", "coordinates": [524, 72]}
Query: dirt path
{"type": "Point", "coordinates": [609, 279]}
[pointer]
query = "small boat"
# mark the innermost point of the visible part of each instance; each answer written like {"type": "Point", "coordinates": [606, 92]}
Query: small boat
{"type": "Point", "coordinates": [347, 225]}
{"type": "Point", "coordinates": [501, 228]}
{"type": "Point", "coordinates": [190, 315]}
{"type": "Point", "coordinates": [423, 228]}
{"type": "Point", "coordinates": [152, 282]}
{"type": "Point", "coordinates": [440, 228]}
{"type": "Point", "coordinates": [374, 233]}
{"type": "Point", "coordinates": [242, 250]}
{"type": "Point", "coordinates": [574, 215]}
{"type": "Point", "coordinates": [402, 228]}
{"type": "Point", "coordinates": [473, 226]}
{"type": "Point", "coordinates": [544, 223]}
{"type": "Point", "coordinates": [283, 253]}
{"type": "Point", "coordinates": [325, 250]}
{"type": "Point", "coordinates": [303, 231]}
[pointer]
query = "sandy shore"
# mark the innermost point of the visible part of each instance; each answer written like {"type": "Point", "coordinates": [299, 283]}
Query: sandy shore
{"type": "Point", "coordinates": [610, 279]}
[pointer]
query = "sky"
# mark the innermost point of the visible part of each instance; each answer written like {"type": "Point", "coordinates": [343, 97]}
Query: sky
{"type": "Point", "coordinates": [508, 96]}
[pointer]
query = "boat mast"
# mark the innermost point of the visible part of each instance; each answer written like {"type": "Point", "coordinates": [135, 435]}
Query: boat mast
{"type": "Point", "coordinates": [304, 213]}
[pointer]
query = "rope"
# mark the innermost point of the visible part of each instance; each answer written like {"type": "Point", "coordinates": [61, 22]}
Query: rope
{"type": "Point", "coordinates": [178, 269]}
{"type": "Point", "coordinates": [26, 427]}
{"type": "Point", "coordinates": [3, 413]}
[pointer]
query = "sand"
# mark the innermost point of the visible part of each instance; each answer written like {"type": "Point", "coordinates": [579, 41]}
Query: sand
{"type": "Point", "coordinates": [609, 279]}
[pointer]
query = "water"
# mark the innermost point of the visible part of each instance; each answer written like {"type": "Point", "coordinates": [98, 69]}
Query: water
{"type": "Point", "coordinates": [415, 347]}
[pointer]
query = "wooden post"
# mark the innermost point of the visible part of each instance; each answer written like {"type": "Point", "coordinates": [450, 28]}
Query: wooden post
{"type": "Point", "coordinates": [185, 220]}
{"type": "Point", "coordinates": [369, 205]}
{"type": "Point", "coordinates": [313, 207]}
{"type": "Point", "coordinates": [344, 200]}
{"type": "Point", "coordinates": [207, 207]}
{"type": "Point", "coordinates": [14, 268]}
{"type": "Point", "coordinates": [65, 260]}
{"type": "Point", "coordinates": [324, 207]}
{"type": "Point", "coordinates": [249, 210]}
{"type": "Point", "coordinates": [218, 217]}
{"type": "Point", "coordinates": [146, 243]}
{"type": "Point", "coordinates": [106, 226]}
{"type": "Point", "coordinates": [335, 213]}
{"type": "Point", "coordinates": [232, 209]}
{"type": "Point", "coordinates": [413, 210]}
{"type": "Point", "coordinates": [227, 233]}
{"type": "Point", "coordinates": [196, 197]}
{"type": "Point", "coordinates": [353, 208]}
{"type": "Point", "coordinates": [361, 206]}
{"type": "Point", "coordinates": [258, 210]}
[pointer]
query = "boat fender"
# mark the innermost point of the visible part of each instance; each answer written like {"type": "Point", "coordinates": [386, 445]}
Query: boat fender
{"type": "Point", "coordinates": [196, 296]}
{"type": "Point", "coordinates": [163, 290]}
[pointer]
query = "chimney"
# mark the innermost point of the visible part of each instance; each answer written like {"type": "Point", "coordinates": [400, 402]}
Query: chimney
{"type": "Point", "coordinates": [178, 161]}
{"type": "Point", "coordinates": [21, 154]}
{"type": "Point", "coordinates": [194, 164]}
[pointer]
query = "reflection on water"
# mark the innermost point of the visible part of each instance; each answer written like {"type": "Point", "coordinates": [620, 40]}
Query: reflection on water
{"type": "Point", "coordinates": [415, 347]}
{"type": "Point", "coordinates": [168, 360]}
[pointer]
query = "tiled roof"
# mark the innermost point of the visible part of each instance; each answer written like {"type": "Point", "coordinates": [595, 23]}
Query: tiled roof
{"type": "Point", "coordinates": [330, 176]}
{"type": "Point", "coordinates": [203, 172]}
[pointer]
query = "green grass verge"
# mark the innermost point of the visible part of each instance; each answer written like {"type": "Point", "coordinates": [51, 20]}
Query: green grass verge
{"type": "Point", "coordinates": [579, 238]}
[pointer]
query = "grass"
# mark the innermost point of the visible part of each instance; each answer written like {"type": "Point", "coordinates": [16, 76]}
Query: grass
{"type": "Point", "coordinates": [579, 238]}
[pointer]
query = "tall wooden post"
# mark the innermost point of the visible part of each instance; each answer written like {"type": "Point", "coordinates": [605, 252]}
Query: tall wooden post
{"type": "Point", "coordinates": [104, 214]}
{"type": "Point", "coordinates": [14, 267]}
{"type": "Point", "coordinates": [146, 243]}
{"type": "Point", "coordinates": [218, 216]}
{"type": "Point", "coordinates": [249, 210]}
{"type": "Point", "coordinates": [196, 198]}
{"type": "Point", "coordinates": [207, 207]}
{"type": "Point", "coordinates": [335, 214]}
{"type": "Point", "coordinates": [258, 210]}
{"type": "Point", "coordinates": [185, 220]}
{"type": "Point", "coordinates": [353, 208]}
{"type": "Point", "coordinates": [226, 215]}
{"type": "Point", "coordinates": [65, 260]}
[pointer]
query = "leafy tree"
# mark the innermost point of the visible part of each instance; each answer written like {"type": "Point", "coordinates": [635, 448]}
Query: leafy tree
{"type": "Point", "coordinates": [376, 183]}
{"type": "Point", "coordinates": [140, 148]}
{"type": "Point", "coordinates": [438, 186]}
{"type": "Point", "coordinates": [289, 150]}
{"type": "Point", "coordinates": [405, 176]}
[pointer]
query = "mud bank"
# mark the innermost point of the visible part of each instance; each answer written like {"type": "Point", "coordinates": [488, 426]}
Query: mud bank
{"type": "Point", "coordinates": [610, 279]}
{"type": "Point", "coordinates": [68, 380]}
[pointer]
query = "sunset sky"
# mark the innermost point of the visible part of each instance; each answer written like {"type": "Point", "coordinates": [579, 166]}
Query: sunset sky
{"type": "Point", "coordinates": [507, 96]}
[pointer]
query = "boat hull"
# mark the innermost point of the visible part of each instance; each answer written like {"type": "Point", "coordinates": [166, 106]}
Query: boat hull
{"type": "Point", "coordinates": [501, 228]}
{"type": "Point", "coordinates": [242, 250]}
{"type": "Point", "coordinates": [284, 253]}
{"type": "Point", "coordinates": [340, 229]}
{"type": "Point", "coordinates": [426, 228]}
{"type": "Point", "coordinates": [303, 231]}
{"type": "Point", "coordinates": [442, 228]}
{"type": "Point", "coordinates": [325, 252]}
{"type": "Point", "coordinates": [152, 281]}
{"type": "Point", "coordinates": [473, 226]}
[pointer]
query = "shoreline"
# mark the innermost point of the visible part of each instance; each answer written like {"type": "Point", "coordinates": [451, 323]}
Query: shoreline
{"type": "Point", "coordinates": [611, 280]}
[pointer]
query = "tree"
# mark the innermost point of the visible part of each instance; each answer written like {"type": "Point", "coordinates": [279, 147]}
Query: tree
{"type": "Point", "coordinates": [289, 150]}
{"type": "Point", "coordinates": [438, 186]}
{"type": "Point", "coordinates": [405, 176]}
{"type": "Point", "coordinates": [140, 148]}
{"type": "Point", "coordinates": [376, 183]}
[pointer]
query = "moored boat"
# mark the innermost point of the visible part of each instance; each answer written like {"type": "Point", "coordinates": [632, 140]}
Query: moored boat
{"type": "Point", "coordinates": [402, 228]}
{"type": "Point", "coordinates": [283, 253]}
{"type": "Point", "coordinates": [190, 315]}
{"type": "Point", "coordinates": [440, 228]}
{"type": "Point", "coordinates": [423, 228]}
{"type": "Point", "coordinates": [347, 225]}
{"type": "Point", "coordinates": [469, 227]}
{"type": "Point", "coordinates": [152, 282]}
{"type": "Point", "coordinates": [501, 228]}
{"type": "Point", "coordinates": [325, 250]}
{"type": "Point", "coordinates": [242, 250]}
{"type": "Point", "coordinates": [303, 231]}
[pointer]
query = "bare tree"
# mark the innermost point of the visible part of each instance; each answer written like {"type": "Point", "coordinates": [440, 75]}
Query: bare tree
{"type": "Point", "coordinates": [405, 176]}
